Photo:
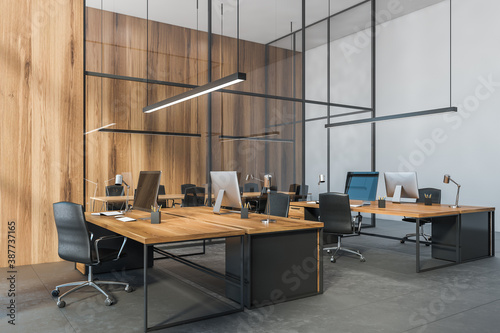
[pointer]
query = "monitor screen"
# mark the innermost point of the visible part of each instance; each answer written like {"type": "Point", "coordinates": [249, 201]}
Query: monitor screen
{"type": "Point", "coordinates": [147, 190]}
{"type": "Point", "coordinates": [227, 181]}
{"type": "Point", "coordinates": [407, 181]}
{"type": "Point", "coordinates": [361, 185]}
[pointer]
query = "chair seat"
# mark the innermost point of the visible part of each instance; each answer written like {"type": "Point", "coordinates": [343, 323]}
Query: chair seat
{"type": "Point", "coordinates": [412, 220]}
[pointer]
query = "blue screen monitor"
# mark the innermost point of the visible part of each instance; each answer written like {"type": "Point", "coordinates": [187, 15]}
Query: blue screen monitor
{"type": "Point", "coordinates": [361, 185]}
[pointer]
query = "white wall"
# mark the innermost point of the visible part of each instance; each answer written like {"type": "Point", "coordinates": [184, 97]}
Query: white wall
{"type": "Point", "coordinates": [413, 74]}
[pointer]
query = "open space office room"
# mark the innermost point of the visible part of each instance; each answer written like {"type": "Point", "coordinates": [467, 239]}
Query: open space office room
{"type": "Point", "coordinates": [330, 87]}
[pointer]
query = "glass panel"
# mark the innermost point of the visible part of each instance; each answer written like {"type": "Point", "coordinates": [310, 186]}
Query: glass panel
{"type": "Point", "coordinates": [351, 57]}
{"type": "Point", "coordinates": [350, 148]}
{"type": "Point", "coordinates": [316, 149]}
{"type": "Point", "coordinates": [263, 138]}
{"type": "Point", "coordinates": [316, 62]}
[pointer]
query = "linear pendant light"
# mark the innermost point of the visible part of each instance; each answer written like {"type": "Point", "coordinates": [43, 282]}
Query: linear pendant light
{"type": "Point", "coordinates": [198, 91]}
{"type": "Point", "coordinates": [394, 116]}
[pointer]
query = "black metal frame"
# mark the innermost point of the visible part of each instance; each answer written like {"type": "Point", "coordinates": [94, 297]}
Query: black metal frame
{"type": "Point", "coordinates": [200, 268]}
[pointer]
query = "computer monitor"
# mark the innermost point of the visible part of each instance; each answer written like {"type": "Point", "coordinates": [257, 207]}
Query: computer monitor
{"type": "Point", "coordinates": [226, 189]}
{"type": "Point", "coordinates": [361, 186]}
{"type": "Point", "coordinates": [401, 185]}
{"type": "Point", "coordinates": [147, 190]}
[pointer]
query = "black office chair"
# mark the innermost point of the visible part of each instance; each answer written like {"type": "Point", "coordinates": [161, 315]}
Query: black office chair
{"type": "Point", "coordinates": [194, 197]}
{"type": "Point", "coordinates": [161, 191]}
{"type": "Point", "coordinates": [76, 244]}
{"type": "Point", "coordinates": [115, 191]}
{"type": "Point", "coordinates": [183, 191]}
{"type": "Point", "coordinates": [293, 189]}
{"type": "Point", "coordinates": [335, 213]}
{"type": "Point", "coordinates": [436, 199]}
{"type": "Point", "coordinates": [251, 187]}
{"type": "Point", "coordinates": [301, 192]}
{"type": "Point", "coordinates": [280, 204]}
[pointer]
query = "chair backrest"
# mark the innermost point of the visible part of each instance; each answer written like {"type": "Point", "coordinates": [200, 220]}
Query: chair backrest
{"type": "Point", "coordinates": [335, 213]}
{"type": "Point", "coordinates": [301, 192]}
{"type": "Point", "coordinates": [435, 192]}
{"type": "Point", "coordinates": [293, 188]}
{"type": "Point", "coordinates": [161, 190]}
{"type": "Point", "coordinates": [185, 186]}
{"type": "Point", "coordinates": [72, 232]}
{"type": "Point", "coordinates": [194, 196]}
{"type": "Point", "coordinates": [251, 187]}
{"type": "Point", "coordinates": [280, 203]}
{"type": "Point", "coordinates": [114, 190]}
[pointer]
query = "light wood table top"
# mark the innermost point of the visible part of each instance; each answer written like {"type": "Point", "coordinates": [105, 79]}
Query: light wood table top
{"type": "Point", "coordinates": [172, 229]}
{"type": "Point", "coordinates": [415, 210]}
{"type": "Point", "coordinates": [252, 225]}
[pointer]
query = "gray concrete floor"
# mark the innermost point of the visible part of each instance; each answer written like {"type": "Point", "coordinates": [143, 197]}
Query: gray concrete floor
{"type": "Point", "coordinates": [383, 294]}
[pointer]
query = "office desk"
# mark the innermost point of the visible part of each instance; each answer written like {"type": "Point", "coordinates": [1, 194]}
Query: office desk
{"type": "Point", "coordinates": [264, 254]}
{"type": "Point", "coordinates": [458, 234]}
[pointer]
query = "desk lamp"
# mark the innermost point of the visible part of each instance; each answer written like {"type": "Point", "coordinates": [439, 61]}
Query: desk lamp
{"type": "Point", "coordinates": [320, 180]}
{"type": "Point", "coordinates": [119, 181]}
{"type": "Point", "coordinates": [446, 180]}
{"type": "Point", "coordinates": [267, 183]}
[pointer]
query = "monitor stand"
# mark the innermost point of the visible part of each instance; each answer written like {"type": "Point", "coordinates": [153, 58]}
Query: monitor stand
{"type": "Point", "coordinates": [396, 197]}
{"type": "Point", "coordinates": [218, 202]}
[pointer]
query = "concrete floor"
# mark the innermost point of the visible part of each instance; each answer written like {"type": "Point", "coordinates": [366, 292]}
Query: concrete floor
{"type": "Point", "coordinates": [383, 294]}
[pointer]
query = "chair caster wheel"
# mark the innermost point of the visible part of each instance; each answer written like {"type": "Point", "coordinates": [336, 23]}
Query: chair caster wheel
{"type": "Point", "coordinates": [55, 293]}
{"type": "Point", "coordinates": [362, 260]}
{"type": "Point", "coordinates": [333, 260]}
{"type": "Point", "coordinates": [129, 289]}
{"type": "Point", "coordinates": [427, 244]}
{"type": "Point", "coordinates": [402, 241]}
{"type": "Point", "coordinates": [61, 304]}
{"type": "Point", "coordinates": [328, 251]}
{"type": "Point", "coordinates": [108, 302]}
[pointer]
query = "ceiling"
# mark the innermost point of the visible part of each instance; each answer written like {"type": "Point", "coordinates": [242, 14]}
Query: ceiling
{"type": "Point", "coordinates": [263, 21]}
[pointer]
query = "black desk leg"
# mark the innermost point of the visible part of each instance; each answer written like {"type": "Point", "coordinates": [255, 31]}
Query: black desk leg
{"type": "Point", "coordinates": [417, 226]}
{"type": "Point", "coordinates": [145, 288]}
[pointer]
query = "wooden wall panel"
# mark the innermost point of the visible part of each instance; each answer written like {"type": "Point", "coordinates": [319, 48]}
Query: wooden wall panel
{"type": "Point", "coordinates": [41, 142]}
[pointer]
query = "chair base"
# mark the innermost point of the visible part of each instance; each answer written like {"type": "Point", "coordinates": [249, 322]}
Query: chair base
{"type": "Point", "coordinates": [90, 283]}
{"type": "Point", "coordinates": [340, 248]}
{"type": "Point", "coordinates": [427, 238]}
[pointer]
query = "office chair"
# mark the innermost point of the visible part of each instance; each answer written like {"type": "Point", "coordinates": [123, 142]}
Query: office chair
{"type": "Point", "coordinates": [194, 197]}
{"type": "Point", "coordinates": [251, 187]}
{"type": "Point", "coordinates": [161, 191]}
{"type": "Point", "coordinates": [436, 199]}
{"type": "Point", "coordinates": [301, 192]}
{"type": "Point", "coordinates": [76, 244]}
{"type": "Point", "coordinates": [335, 213]}
{"type": "Point", "coordinates": [280, 203]}
{"type": "Point", "coordinates": [183, 191]}
{"type": "Point", "coordinates": [293, 189]}
{"type": "Point", "coordinates": [115, 191]}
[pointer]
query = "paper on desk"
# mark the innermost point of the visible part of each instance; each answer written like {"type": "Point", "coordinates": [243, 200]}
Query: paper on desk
{"type": "Point", "coordinates": [125, 219]}
{"type": "Point", "coordinates": [111, 213]}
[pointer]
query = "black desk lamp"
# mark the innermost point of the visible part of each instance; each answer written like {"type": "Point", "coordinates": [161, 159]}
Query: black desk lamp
{"type": "Point", "coordinates": [446, 180]}
{"type": "Point", "coordinates": [119, 181]}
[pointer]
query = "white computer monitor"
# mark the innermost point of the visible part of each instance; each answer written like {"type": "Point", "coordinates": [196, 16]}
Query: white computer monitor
{"type": "Point", "coordinates": [146, 193]}
{"type": "Point", "coordinates": [226, 190]}
{"type": "Point", "coordinates": [401, 185]}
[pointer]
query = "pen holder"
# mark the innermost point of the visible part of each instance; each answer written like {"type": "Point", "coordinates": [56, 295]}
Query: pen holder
{"type": "Point", "coordinates": [428, 201]}
{"type": "Point", "coordinates": [381, 203]}
{"type": "Point", "coordinates": [244, 213]}
{"type": "Point", "coordinates": [155, 217]}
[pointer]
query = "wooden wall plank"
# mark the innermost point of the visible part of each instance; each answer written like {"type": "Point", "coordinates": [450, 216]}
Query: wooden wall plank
{"type": "Point", "coordinates": [42, 121]}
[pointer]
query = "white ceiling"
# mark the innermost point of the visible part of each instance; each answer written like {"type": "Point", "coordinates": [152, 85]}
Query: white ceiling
{"type": "Point", "coordinates": [262, 21]}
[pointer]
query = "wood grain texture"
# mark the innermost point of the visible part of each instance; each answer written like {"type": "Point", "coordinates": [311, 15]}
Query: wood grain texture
{"type": "Point", "coordinates": [41, 142]}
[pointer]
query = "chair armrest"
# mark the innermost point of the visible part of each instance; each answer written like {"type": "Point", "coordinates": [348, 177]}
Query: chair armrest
{"type": "Point", "coordinates": [96, 244]}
